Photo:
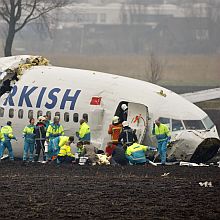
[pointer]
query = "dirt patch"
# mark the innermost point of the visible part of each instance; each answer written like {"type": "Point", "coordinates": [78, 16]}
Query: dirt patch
{"type": "Point", "coordinates": [132, 192]}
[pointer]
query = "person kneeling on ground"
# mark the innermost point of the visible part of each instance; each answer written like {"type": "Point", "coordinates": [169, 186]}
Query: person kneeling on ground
{"type": "Point", "coordinates": [65, 154]}
{"type": "Point", "coordinates": [57, 143]}
{"type": "Point", "coordinates": [88, 150]}
{"type": "Point", "coordinates": [109, 149]}
{"type": "Point", "coordinates": [118, 155]}
{"type": "Point", "coordinates": [136, 154]}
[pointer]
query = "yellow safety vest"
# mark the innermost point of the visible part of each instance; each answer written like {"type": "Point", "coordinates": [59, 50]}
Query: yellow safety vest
{"type": "Point", "coordinates": [65, 150]}
{"type": "Point", "coordinates": [7, 131]}
{"type": "Point", "coordinates": [134, 148]}
{"type": "Point", "coordinates": [2, 137]}
{"type": "Point", "coordinates": [28, 129]}
{"type": "Point", "coordinates": [84, 129]}
{"type": "Point", "coordinates": [63, 140]}
{"type": "Point", "coordinates": [54, 131]}
{"type": "Point", "coordinates": [162, 132]}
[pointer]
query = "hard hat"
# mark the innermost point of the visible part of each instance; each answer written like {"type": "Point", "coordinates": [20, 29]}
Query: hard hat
{"type": "Point", "coordinates": [124, 107]}
{"type": "Point", "coordinates": [41, 118]}
{"type": "Point", "coordinates": [115, 119]}
{"type": "Point", "coordinates": [125, 123]}
{"type": "Point", "coordinates": [9, 123]}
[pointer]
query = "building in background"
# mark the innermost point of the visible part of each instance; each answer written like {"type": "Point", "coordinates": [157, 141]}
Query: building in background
{"type": "Point", "coordinates": [128, 27]}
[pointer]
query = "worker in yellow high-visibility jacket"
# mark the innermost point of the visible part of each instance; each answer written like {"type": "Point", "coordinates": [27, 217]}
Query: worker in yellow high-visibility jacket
{"type": "Point", "coordinates": [54, 130]}
{"type": "Point", "coordinates": [163, 136]}
{"type": "Point", "coordinates": [65, 154]}
{"type": "Point", "coordinates": [84, 131]}
{"type": "Point", "coordinates": [135, 153]}
{"type": "Point", "coordinates": [29, 140]}
{"type": "Point", "coordinates": [58, 142]}
{"type": "Point", "coordinates": [7, 132]}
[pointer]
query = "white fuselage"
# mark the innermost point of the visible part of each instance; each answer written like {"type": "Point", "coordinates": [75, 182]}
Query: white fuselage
{"type": "Point", "coordinates": [68, 93]}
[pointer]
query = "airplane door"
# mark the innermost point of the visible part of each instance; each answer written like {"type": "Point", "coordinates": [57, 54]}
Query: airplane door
{"type": "Point", "coordinates": [137, 119]}
{"type": "Point", "coordinates": [96, 124]}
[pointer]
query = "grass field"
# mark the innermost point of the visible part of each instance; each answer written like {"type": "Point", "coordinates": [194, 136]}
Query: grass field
{"type": "Point", "coordinates": [178, 70]}
{"type": "Point", "coordinates": [195, 70]}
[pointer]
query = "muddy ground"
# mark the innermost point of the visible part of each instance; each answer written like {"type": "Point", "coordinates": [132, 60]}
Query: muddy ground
{"type": "Point", "coordinates": [48, 191]}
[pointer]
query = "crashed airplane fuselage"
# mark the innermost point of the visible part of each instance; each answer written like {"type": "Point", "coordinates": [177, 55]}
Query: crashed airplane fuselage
{"type": "Point", "coordinates": [30, 88]}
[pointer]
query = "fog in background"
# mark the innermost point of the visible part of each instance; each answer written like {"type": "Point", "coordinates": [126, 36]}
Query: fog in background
{"type": "Point", "coordinates": [121, 36]}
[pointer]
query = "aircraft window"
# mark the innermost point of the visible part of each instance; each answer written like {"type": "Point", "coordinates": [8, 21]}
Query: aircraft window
{"type": "Point", "coordinates": [57, 114]}
{"type": "Point", "coordinates": [86, 117]}
{"type": "Point", "coordinates": [30, 114]}
{"type": "Point", "coordinates": [66, 117]}
{"type": "Point", "coordinates": [20, 113]}
{"type": "Point", "coordinates": [177, 125]}
{"type": "Point", "coordinates": [208, 122]}
{"type": "Point", "coordinates": [75, 117]}
{"type": "Point", "coordinates": [48, 114]}
{"type": "Point", "coordinates": [194, 125]}
{"type": "Point", "coordinates": [39, 113]}
{"type": "Point", "coordinates": [1, 112]}
{"type": "Point", "coordinates": [11, 113]}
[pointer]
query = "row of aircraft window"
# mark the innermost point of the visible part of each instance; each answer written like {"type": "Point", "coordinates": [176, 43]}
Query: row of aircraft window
{"type": "Point", "coordinates": [66, 115]}
{"type": "Point", "coordinates": [176, 125]}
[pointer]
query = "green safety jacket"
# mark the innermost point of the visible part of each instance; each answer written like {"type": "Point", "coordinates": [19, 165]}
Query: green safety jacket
{"type": "Point", "coordinates": [162, 132]}
{"type": "Point", "coordinates": [63, 140]}
{"type": "Point", "coordinates": [7, 131]}
{"type": "Point", "coordinates": [2, 138]}
{"type": "Point", "coordinates": [54, 130]}
{"type": "Point", "coordinates": [65, 150]}
{"type": "Point", "coordinates": [84, 132]}
{"type": "Point", "coordinates": [28, 133]}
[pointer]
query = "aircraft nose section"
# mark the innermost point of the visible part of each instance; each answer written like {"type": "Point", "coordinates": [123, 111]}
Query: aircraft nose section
{"type": "Point", "coordinates": [192, 146]}
{"type": "Point", "coordinates": [206, 150]}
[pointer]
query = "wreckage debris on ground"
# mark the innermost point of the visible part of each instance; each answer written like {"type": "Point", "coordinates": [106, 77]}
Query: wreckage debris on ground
{"type": "Point", "coordinates": [49, 191]}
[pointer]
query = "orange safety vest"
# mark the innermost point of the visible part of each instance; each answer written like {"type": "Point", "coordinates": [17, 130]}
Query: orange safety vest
{"type": "Point", "coordinates": [115, 131]}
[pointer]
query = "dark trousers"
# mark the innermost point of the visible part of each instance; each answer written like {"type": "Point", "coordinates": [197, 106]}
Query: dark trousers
{"type": "Point", "coordinates": [116, 161]}
{"type": "Point", "coordinates": [66, 159]}
{"type": "Point", "coordinates": [39, 147]}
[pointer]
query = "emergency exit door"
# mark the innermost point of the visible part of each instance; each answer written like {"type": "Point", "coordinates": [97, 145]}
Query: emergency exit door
{"type": "Point", "coordinates": [137, 119]}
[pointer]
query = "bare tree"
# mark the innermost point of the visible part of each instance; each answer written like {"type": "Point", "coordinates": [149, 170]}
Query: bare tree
{"type": "Point", "coordinates": [18, 13]}
{"type": "Point", "coordinates": [154, 68]}
{"type": "Point", "coordinates": [132, 11]}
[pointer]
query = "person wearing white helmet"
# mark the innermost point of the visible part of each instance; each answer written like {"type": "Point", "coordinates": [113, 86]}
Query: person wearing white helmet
{"type": "Point", "coordinates": [127, 136]}
{"type": "Point", "coordinates": [115, 129]}
{"type": "Point", "coordinates": [124, 114]}
{"type": "Point", "coordinates": [40, 131]}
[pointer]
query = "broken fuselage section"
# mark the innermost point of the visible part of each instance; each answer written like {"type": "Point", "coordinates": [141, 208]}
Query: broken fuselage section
{"type": "Point", "coordinates": [193, 146]}
{"type": "Point", "coordinates": [12, 69]}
